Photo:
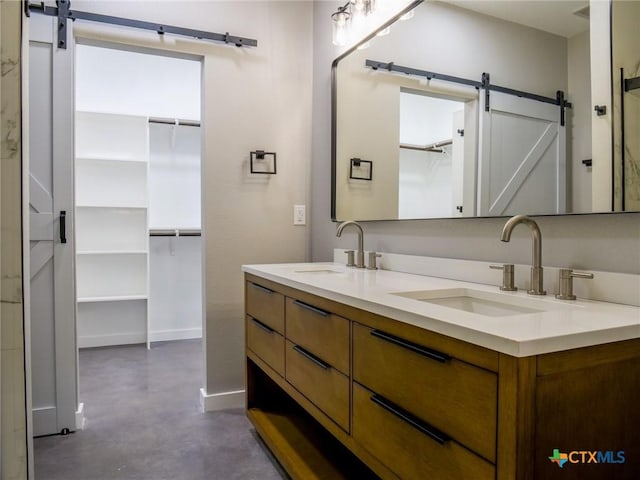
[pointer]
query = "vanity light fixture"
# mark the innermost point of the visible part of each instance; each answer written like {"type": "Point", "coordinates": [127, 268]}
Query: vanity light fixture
{"type": "Point", "coordinates": [341, 24]}
{"type": "Point", "coordinates": [365, 19]}
{"type": "Point", "coordinates": [262, 162]}
{"type": "Point", "coordinates": [353, 15]}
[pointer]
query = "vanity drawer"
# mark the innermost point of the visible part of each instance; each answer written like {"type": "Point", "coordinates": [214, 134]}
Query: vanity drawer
{"type": "Point", "coordinates": [320, 332]}
{"type": "Point", "coordinates": [265, 305]}
{"type": "Point", "coordinates": [451, 395]}
{"type": "Point", "coordinates": [266, 343]}
{"type": "Point", "coordinates": [322, 384]}
{"type": "Point", "coordinates": [409, 446]}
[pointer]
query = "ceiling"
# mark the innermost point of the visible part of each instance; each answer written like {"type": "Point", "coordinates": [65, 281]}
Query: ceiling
{"type": "Point", "coordinates": [554, 16]}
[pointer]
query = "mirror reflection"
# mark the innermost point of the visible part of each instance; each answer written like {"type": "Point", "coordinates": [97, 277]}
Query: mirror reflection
{"type": "Point", "coordinates": [484, 109]}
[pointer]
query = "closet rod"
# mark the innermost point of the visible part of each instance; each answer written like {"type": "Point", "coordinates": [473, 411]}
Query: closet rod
{"type": "Point", "coordinates": [63, 12]}
{"type": "Point", "coordinates": [178, 232]}
{"type": "Point", "coordinates": [174, 121]}
{"type": "Point", "coordinates": [434, 147]}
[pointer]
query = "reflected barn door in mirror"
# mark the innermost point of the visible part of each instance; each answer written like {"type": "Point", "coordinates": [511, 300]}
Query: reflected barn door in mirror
{"type": "Point", "coordinates": [539, 51]}
{"type": "Point", "coordinates": [522, 157]}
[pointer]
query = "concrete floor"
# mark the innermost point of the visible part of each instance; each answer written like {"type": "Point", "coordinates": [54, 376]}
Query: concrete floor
{"type": "Point", "coordinates": [143, 421]}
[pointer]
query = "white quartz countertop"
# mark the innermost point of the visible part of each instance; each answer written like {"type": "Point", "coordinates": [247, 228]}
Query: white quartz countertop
{"type": "Point", "coordinates": [552, 325]}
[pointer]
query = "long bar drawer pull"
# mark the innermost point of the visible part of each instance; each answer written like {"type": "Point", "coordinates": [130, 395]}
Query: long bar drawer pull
{"type": "Point", "coordinates": [414, 347]}
{"type": "Point", "coordinates": [312, 357]}
{"type": "Point", "coordinates": [261, 288]}
{"type": "Point", "coordinates": [262, 326]}
{"type": "Point", "coordinates": [415, 422]}
{"type": "Point", "coordinates": [310, 308]}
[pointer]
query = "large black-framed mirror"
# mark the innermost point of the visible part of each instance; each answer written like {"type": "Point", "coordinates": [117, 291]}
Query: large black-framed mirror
{"type": "Point", "coordinates": [413, 110]}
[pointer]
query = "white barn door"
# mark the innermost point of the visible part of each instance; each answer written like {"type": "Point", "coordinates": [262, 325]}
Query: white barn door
{"type": "Point", "coordinates": [52, 295]}
{"type": "Point", "coordinates": [522, 157]}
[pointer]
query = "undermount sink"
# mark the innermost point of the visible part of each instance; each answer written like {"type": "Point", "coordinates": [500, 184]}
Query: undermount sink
{"type": "Point", "coordinates": [318, 269]}
{"type": "Point", "coordinates": [479, 302]}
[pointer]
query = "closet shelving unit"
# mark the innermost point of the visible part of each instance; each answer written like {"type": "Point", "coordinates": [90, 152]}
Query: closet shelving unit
{"type": "Point", "coordinates": [112, 243]}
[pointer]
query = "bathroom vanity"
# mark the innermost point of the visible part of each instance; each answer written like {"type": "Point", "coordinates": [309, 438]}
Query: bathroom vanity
{"type": "Point", "coordinates": [363, 374]}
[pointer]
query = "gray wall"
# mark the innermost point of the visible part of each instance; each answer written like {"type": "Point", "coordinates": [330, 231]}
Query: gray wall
{"type": "Point", "coordinates": [608, 242]}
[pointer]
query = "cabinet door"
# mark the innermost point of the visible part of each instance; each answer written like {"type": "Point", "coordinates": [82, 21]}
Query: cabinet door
{"type": "Point", "coordinates": [52, 297]}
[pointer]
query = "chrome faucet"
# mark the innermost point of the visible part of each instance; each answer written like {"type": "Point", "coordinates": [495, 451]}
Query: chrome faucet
{"type": "Point", "coordinates": [536, 264]}
{"type": "Point", "coordinates": [360, 252]}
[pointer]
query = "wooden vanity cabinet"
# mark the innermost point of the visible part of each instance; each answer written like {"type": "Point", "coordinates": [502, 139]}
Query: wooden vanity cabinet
{"type": "Point", "coordinates": [337, 392]}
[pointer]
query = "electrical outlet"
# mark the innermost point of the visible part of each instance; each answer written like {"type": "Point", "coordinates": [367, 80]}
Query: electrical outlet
{"type": "Point", "coordinates": [299, 215]}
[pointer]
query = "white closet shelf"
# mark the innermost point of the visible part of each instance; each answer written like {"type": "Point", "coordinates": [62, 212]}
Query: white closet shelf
{"type": "Point", "coordinates": [116, 298]}
{"type": "Point", "coordinates": [90, 158]}
{"type": "Point", "coordinates": [112, 252]}
{"type": "Point", "coordinates": [124, 207]}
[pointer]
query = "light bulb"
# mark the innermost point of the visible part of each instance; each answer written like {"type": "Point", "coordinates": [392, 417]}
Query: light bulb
{"type": "Point", "coordinates": [408, 15]}
{"type": "Point", "coordinates": [358, 5]}
{"type": "Point", "coordinates": [340, 24]}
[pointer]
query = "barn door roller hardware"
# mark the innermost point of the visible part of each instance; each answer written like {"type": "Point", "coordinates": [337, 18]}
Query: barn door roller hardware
{"type": "Point", "coordinates": [64, 13]}
{"type": "Point", "coordinates": [484, 84]}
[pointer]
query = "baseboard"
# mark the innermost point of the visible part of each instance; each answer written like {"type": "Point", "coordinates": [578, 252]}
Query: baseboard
{"type": "Point", "coordinates": [221, 401]}
{"type": "Point", "coordinates": [45, 421]}
{"type": "Point", "coordinates": [176, 334]}
{"type": "Point", "coordinates": [80, 419]}
{"type": "Point", "coordinates": [89, 341]}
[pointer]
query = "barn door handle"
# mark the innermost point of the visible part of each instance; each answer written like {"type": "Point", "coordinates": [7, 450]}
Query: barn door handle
{"type": "Point", "coordinates": [63, 226]}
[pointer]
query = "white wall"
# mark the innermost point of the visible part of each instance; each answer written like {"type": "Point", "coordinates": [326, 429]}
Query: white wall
{"type": "Point", "coordinates": [117, 81]}
{"type": "Point", "coordinates": [254, 98]}
{"type": "Point", "coordinates": [175, 288]}
{"type": "Point", "coordinates": [175, 161]}
{"type": "Point", "coordinates": [609, 242]}
{"type": "Point", "coordinates": [425, 120]}
{"type": "Point", "coordinates": [425, 184]}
